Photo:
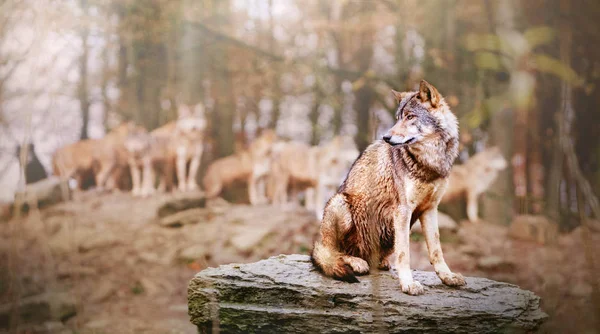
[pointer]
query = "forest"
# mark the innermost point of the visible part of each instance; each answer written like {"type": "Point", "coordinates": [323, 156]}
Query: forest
{"type": "Point", "coordinates": [523, 76]}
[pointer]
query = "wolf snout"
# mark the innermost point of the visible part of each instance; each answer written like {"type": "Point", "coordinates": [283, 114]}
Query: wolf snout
{"type": "Point", "coordinates": [397, 140]}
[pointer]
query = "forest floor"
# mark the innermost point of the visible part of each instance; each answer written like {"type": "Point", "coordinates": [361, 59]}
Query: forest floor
{"type": "Point", "coordinates": [123, 269]}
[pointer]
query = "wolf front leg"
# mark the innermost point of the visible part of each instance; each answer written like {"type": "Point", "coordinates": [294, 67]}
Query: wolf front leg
{"type": "Point", "coordinates": [252, 189]}
{"type": "Point", "coordinates": [147, 178]}
{"type": "Point", "coordinates": [135, 177]}
{"type": "Point", "coordinates": [194, 165]}
{"type": "Point", "coordinates": [103, 174]}
{"type": "Point", "coordinates": [429, 225]}
{"type": "Point", "coordinates": [181, 163]}
{"type": "Point", "coordinates": [402, 253]}
{"type": "Point", "coordinates": [472, 206]}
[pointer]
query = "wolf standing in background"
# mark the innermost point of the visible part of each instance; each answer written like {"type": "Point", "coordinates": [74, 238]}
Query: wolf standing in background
{"type": "Point", "coordinates": [392, 184]}
{"type": "Point", "coordinates": [474, 177]}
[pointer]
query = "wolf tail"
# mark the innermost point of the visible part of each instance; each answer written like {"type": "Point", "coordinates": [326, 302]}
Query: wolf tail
{"type": "Point", "coordinates": [331, 263]}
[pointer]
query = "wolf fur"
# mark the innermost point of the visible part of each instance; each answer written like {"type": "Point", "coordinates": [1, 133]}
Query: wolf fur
{"type": "Point", "coordinates": [99, 156]}
{"type": "Point", "coordinates": [250, 165]}
{"type": "Point", "coordinates": [316, 170]}
{"type": "Point", "coordinates": [474, 177]}
{"type": "Point", "coordinates": [393, 183]}
{"type": "Point", "coordinates": [170, 147]}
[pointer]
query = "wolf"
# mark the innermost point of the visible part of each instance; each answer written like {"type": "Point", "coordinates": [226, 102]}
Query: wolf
{"type": "Point", "coordinates": [394, 182]}
{"type": "Point", "coordinates": [99, 156]}
{"type": "Point", "coordinates": [250, 165]}
{"type": "Point", "coordinates": [474, 177]}
{"type": "Point", "coordinates": [170, 147]}
{"type": "Point", "coordinates": [317, 169]}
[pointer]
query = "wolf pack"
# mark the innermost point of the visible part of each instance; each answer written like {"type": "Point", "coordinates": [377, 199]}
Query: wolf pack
{"type": "Point", "coordinates": [168, 159]}
{"type": "Point", "coordinates": [366, 203]}
{"type": "Point", "coordinates": [275, 171]}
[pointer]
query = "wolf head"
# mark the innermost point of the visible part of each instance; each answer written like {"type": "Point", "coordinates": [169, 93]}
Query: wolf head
{"type": "Point", "coordinates": [420, 116]}
{"type": "Point", "coordinates": [126, 129]}
{"type": "Point", "coordinates": [191, 118]}
{"type": "Point", "coordinates": [262, 146]}
{"type": "Point", "coordinates": [494, 158]}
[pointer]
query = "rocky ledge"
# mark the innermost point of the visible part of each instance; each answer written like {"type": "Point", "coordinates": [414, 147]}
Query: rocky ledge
{"type": "Point", "coordinates": [284, 294]}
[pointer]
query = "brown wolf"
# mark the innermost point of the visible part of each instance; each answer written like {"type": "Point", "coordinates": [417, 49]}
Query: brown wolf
{"type": "Point", "coordinates": [317, 169]}
{"type": "Point", "coordinates": [474, 177]}
{"type": "Point", "coordinates": [392, 184]}
{"type": "Point", "coordinates": [100, 156]}
{"type": "Point", "coordinates": [249, 165]}
{"type": "Point", "coordinates": [170, 147]}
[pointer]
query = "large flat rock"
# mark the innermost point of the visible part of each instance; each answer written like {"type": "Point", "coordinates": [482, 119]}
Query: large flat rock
{"type": "Point", "coordinates": [286, 294]}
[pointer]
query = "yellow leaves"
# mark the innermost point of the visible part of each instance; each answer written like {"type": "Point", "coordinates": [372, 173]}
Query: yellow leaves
{"type": "Point", "coordinates": [357, 84]}
{"type": "Point", "coordinates": [547, 64]}
{"type": "Point", "coordinates": [489, 42]}
{"type": "Point", "coordinates": [488, 61]}
{"type": "Point", "coordinates": [539, 36]}
{"type": "Point", "coordinates": [360, 82]}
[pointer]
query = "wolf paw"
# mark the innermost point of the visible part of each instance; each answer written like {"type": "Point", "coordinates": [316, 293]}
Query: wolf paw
{"type": "Point", "coordinates": [384, 265]}
{"type": "Point", "coordinates": [452, 279]}
{"type": "Point", "coordinates": [192, 186]}
{"type": "Point", "coordinates": [358, 265]}
{"type": "Point", "coordinates": [414, 288]}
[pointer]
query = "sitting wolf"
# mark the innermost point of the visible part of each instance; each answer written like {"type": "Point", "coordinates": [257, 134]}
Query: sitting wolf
{"type": "Point", "coordinates": [394, 182]}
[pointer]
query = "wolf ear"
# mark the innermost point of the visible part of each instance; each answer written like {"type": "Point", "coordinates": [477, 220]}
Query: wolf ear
{"type": "Point", "coordinates": [428, 93]}
{"type": "Point", "coordinates": [398, 95]}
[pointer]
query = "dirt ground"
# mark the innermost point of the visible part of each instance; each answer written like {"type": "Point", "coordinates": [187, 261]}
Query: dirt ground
{"type": "Point", "coordinates": [123, 269]}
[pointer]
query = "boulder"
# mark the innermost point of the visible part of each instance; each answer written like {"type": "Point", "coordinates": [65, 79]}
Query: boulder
{"type": "Point", "coordinates": [43, 193]}
{"type": "Point", "coordinates": [285, 294]}
{"type": "Point", "coordinates": [181, 202]}
{"type": "Point", "coordinates": [534, 228]}
{"type": "Point", "coordinates": [39, 309]}
{"type": "Point", "coordinates": [189, 216]}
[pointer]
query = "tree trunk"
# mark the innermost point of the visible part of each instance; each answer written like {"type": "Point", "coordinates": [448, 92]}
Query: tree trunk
{"type": "Point", "coordinates": [499, 208]}
{"type": "Point", "coordinates": [224, 112]}
{"type": "Point", "coordinates": [84, 100]}
{"type": "Point", "coordinates": [277, 93]}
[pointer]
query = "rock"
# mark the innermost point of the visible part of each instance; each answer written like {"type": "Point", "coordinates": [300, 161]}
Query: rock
{"type": "Point", "coordinates": [67, 270]}
{"type": "Point", "coordinates": [39, 309]}
{"type": "Point", "coordinates": [98, 240]}
{"type": "Point", "coordinates": [98, 324]}
{"type": "Point", "coordinates": [580, 289]}
{"type": "Point", "coordinates": [149, 287]}
{"type": "Point", "coordinates": [181, 202]}
{"type": "Point", "coordinates": [183, 308]}
{"type": "Point", "coordinates": [190, 216]}
{"type": "Point", "coordinates": [44, 193]}
{"type": "Point", "coordinates": [285, 294]}
{"type": "Point", "coordinates": [192, 253]}
{"type": "Point", "coordinates": [534, 228]}
{"type": "Point", "coordinates": [445, 224]}
{"type": "Point", "coordinates": [54, 327]}
{"type": "Point", "coordinates": [495, 263]}
{"type": "Point", "coordinates": [470, 250]}
{"type": "Point", "coordinates": [247, 238]}
{"type": "Point", "coordinates": [102, 292]}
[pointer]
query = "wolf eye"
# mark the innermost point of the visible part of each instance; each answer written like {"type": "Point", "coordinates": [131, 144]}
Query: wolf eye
{"type": "Point", "coordinates": [409, 117]}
